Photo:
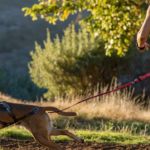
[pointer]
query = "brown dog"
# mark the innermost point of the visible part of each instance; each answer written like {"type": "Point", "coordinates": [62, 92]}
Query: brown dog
{"type": "Point", "coordinates": [39, 124]}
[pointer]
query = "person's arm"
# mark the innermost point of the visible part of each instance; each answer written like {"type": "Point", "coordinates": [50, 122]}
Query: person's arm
{"type": "Point", "coordinates": [144, 32]}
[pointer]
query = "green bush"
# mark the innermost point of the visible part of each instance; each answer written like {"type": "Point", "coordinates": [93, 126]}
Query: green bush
{"type": "Point", "coordinates": [73, 64]}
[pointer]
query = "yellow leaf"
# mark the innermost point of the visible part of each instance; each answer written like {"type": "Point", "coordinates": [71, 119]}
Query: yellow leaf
{"type": "Point", "coordinates": [94, 10]}
{"type": "Point", "coordinates": [65, 14]}
{"type": "Point", "coordinates": [54, 1]}
{"type": "Point", "coordinates": [119, 52]}
{"type": "Point", "coordinates": [24, 8]}
{"type": "Point", "coordinates": [34, 17]}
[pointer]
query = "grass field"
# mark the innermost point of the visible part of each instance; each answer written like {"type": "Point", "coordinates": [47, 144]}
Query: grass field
{"type": "Point", "coordinates": [113, 118]}
{"type": "Point", "coordinates": [106, 136]}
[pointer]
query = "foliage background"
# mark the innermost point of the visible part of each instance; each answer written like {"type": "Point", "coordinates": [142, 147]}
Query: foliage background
{"type": "Point", "coordinates": [116, 21]}
{"type": "Point", "coordinates": [76, 63]}
{"type": "Point", "coordinates": [18, 34]}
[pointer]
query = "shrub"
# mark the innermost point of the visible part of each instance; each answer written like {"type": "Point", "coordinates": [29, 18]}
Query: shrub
{"type": "Point", "coordinates": [73, 64]}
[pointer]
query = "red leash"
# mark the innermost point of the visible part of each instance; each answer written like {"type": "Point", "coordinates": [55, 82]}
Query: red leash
{"type": "Point", "coordinates": [135, 81]}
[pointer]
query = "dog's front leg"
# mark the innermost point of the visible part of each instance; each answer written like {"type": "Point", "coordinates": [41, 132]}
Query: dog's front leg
{"type": "Point", "coordinates": [46, 142]}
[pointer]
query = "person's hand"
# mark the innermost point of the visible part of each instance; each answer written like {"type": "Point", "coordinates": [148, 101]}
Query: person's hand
{"type": "Point", "coordinates": [146, 45]}
{"type": "Point", "coordinates": [143, 47]}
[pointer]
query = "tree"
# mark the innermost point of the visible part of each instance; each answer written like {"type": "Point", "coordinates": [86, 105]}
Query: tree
{"type": "Point", "coordinates": [117, 21]}
{"type": "Point", "coordinates": [74, 65]}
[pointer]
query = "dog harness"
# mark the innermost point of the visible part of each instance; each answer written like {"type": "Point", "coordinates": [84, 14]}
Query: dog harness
{"type": "Point", "coordinates": [16, 121]}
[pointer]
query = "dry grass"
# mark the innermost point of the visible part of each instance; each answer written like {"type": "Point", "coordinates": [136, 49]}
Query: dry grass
{"type": "Point", "coordinates": [114, 106]}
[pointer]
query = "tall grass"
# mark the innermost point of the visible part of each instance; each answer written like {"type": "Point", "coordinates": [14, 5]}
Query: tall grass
{"type": "Point", "coordinates": [117, 110]}
{"type": "Point", "coordinates": [117, 106]}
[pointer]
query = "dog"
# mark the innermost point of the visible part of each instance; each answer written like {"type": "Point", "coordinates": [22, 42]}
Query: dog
{"type": "Point", "coordinates": [38, 124]}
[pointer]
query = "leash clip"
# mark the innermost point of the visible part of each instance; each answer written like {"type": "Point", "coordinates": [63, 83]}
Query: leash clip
{"type": "Point", "coordinates": [134, 81]}
{"type": "Point", "coordinates": [139, 79]}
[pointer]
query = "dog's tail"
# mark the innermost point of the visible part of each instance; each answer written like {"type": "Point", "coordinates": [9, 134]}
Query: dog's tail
{"type": "Point", "coordinates": [56, 110]}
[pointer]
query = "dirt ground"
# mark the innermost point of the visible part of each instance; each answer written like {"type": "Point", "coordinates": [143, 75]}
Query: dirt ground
{"type": "Point", "coordinates": [13, 144]}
